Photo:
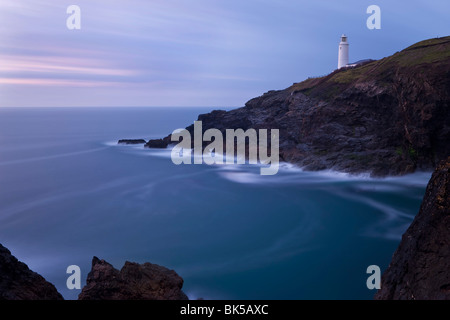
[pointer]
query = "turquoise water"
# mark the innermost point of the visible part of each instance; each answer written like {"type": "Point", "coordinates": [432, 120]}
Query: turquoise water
{"type": "Point", "coordinates": [69, 192]}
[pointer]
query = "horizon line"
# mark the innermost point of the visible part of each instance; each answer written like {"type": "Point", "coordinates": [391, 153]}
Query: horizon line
{"type": "Point", "coordinates": [16, 107]}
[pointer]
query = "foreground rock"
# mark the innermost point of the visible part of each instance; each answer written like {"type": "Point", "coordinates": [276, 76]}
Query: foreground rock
{"type": "Point", "coordinates": [18, 282]}
{"type": "Point", "coordinates": [133, 282]}
{"type": "Point", "coordinates": [386, 117]}
{"type": "Point", "coordinates": [420, 268]}
{"type": "Point", "coordinates": [132, 141]}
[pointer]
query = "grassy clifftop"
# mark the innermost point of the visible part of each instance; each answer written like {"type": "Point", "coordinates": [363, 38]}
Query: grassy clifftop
{"type": "Point", "coordinates": [414, 59]}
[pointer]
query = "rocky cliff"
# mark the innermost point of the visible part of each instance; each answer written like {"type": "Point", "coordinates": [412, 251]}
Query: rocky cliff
{"type": "Point", "coordinates": [18, 282]}
{"type": "Point", "coordinates": [420, 267]}
{"type": "Point", "coordinates": [133, 282]}
{"type": "Point", "coordinates": [386, 117]}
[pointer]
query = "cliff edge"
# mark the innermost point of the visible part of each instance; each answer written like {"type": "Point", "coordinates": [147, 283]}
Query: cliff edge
{"type": "Point", "coordinates": [386, 117]}
{"type": "Point", "coordinates": [420, 267]}
{"type": "Point", "coordinates": [18, 282]}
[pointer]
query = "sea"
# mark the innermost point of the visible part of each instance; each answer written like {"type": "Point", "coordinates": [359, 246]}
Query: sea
{"type": "Point", "coordinates": [69, 192]}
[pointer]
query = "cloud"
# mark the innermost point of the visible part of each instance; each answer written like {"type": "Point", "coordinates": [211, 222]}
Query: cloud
{"type": "Point", "coordinates": [234, 49]}
{"type": "Point", "coordinates": [59, 65]}
{"type": "Point", "coordinates": [57, 82]}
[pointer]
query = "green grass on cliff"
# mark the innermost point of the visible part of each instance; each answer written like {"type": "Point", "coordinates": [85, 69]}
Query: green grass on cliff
{"type": "Point", "coordinates": [431, 51]}
{"type": "Point", "coordinates": [429, 42]}
{"type": "Point", "coordinates": [428, 51]}
{"type": "Point", "coordinates": [424, 52]}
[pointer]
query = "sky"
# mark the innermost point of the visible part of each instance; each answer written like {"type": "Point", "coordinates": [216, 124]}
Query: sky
{"type": "Point", "coordinates": [212, 53]}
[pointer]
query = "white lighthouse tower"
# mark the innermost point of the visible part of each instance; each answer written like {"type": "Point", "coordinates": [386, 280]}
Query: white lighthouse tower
{"type": "Point", "coordinates": [343, 52]}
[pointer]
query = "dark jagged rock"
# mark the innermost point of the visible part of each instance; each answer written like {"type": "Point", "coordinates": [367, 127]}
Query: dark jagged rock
{"type": "Point", "coordinates": [132, 141]}
{"type": "Point", "coordinates": [133, 282]}
{"type": "Point", "coordinates": [386, 117]}
{"type": "Point", "coordinates": [420, 267]}
{"type": "Point", "coordinates": [18, 282]}
{"type": "Point", "coordinates": [158, 143]}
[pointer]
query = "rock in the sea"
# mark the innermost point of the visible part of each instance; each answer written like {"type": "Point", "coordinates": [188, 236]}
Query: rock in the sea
{"type": "Point", "coordinates": [133, 282]}
{"type": "Point", "coordinates": [132, 141]}
{"type": "Point", "coordinates": [420, 267]}
{"type": "Point", "coordinates": [157, 143]}
{"type": "Point", "coordinates": [18, 282]}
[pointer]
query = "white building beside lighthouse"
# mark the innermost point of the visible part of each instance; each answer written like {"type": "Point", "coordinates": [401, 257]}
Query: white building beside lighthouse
{"type": "Point", "coordinates": [343, 52]}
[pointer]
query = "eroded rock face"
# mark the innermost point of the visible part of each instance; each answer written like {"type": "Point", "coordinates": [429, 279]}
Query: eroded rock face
{"type": "Point", "coordinates": [420, 267]}
{"type": "Point", "coordinates": [18, 282]}
{"type": "Point", "coordinates": [386, 117]}
{"type": "Point", "coordinates": [133, 282]}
